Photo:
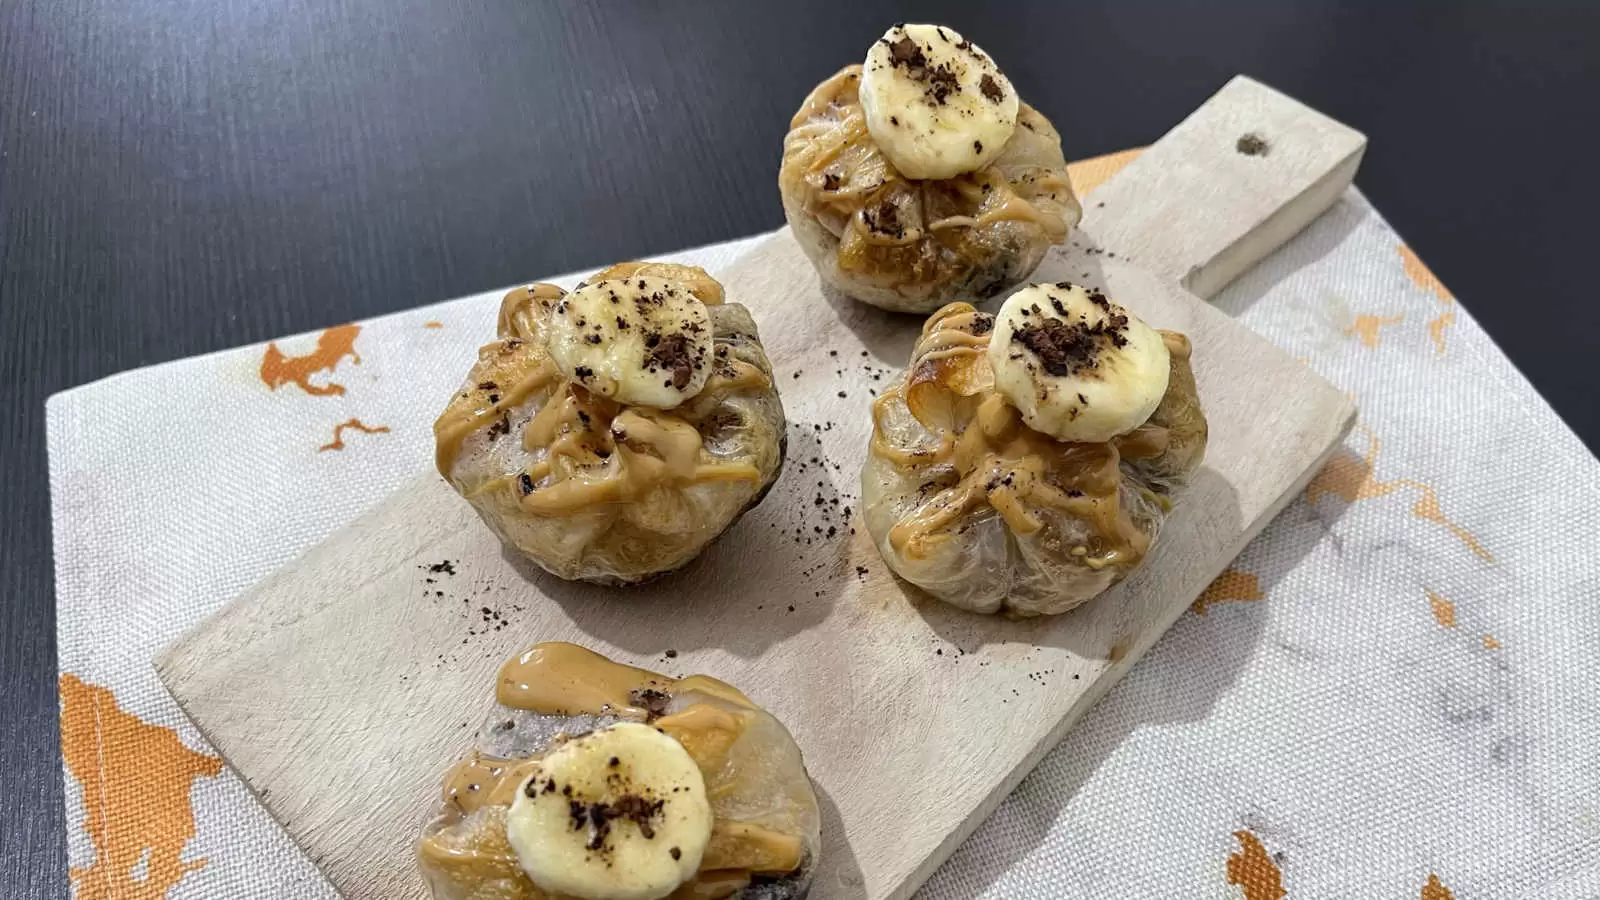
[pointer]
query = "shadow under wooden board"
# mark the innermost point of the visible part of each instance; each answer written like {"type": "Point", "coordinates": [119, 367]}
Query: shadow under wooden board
{"type": "Point", "coordinates": [342, 687]}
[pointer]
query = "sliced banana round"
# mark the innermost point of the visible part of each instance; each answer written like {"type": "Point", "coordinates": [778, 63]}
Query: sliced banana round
{"type": "Point", "coordinates": [936, 104]}
{"type": "Point", "coordinates": [620, 813]}
{"type": "Point", "coordinates": [1075, 365]}
{"type": "Point", "coordinates": [642, 341]}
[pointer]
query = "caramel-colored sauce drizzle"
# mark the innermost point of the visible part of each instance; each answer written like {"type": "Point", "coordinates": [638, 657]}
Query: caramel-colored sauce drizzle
{"type": "Point", "coordinates": [481, 780]}
{"type": "Point", "coordinates": [991, 196]}
{"type": "Point", "coordinates": [614, 454]}
{"type": "Point", "coordinates": [597, 451]}
{"type": "Point", "coordinates": [560, 679]}
{"type": "Point", "coordinates": [566, 679]}
{"type": "Point", "coordinates": [459, 421]}
{"type": "Point", "coordinates": [995, 459]}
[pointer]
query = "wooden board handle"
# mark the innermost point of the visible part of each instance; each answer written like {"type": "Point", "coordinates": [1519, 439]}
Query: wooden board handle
{"type": "Point", "coordinates": [1230, 184]}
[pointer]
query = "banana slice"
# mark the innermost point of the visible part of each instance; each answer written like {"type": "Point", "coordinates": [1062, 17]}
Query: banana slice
{"type": "Point", "coordinates": [936, 105]}
{"type": "Point", "coordinates": [620, 813]}
{"type": "Point", "coordinates": [1076, 365]}
{"type": "Point", "coordinates": [642, 341]}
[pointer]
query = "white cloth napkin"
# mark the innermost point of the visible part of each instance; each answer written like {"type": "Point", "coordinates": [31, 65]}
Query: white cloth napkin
{"type": "Point", "coordinates": [1394, 692]}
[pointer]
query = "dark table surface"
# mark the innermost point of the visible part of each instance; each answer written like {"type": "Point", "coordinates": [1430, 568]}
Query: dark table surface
{"type": "Point", "coordinates": [179, 176]}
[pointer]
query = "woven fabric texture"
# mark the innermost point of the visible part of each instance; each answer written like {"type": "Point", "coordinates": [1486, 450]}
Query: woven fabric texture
{"type": "Point", "coordinates": [1393, 692]}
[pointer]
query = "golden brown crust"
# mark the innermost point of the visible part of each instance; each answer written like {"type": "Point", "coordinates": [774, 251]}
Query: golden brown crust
{"type": "Point", "coordinates": [969, 503]}
{"type": "Point", "coordinates": [765, 836]}
{"type": "Point", "coordinates": [914, 245]}
{"type": "Point", "coordinates": [593, 489]}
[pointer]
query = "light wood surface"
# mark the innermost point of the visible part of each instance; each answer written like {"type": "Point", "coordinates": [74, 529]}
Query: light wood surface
{"type": "Point", "coordinates": [341, 687]}
{"type": "Point", "coordinates": [1232, 182]}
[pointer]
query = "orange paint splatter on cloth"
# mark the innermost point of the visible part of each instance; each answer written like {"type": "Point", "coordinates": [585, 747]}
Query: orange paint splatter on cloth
{"type": "Point", "coordinates": [1366, 328]}
{"type": "Point", "coordinates": [1433, 890]}
{"type": "Point", "coordinates": [432, 324]}
{"type": "Point", "coordinates": [1088, 174]}
{"type": "Point", "coordinates": [1254, 871]}
{"type": "Point", "coordinates": [136, 779]}
{"type": "Point", "coordinates": [1444, 612]}
{"type": "Point", "coordinates": [333, 346]}
{"type": "Point", "coordinates": [338, 433]}
{"type": "Point", "coordinates": [1350, 478]}
{"type": "Point", "coordinates": [1423, 278]}
{"type": "Point", "coordinates": [1436, 329]}
{"type": "Point", "coordinates": [1421, 275]}
{"type": "Point", "coordinates": [1489, 643]}
{"type": "Point", "coordinates": [1232, 586]}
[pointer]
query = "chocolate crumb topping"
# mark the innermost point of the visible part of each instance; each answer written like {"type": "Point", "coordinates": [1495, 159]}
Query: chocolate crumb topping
{"type": "Point", "coordinates": [977, 146]}
{"type": "Point", "coordinates": [942, 82]}
{"type": "Point", "coordinates": [525, 482]}
{"type": "Point", "coordinates": [1066, 349]}
{"type": "Point", "coordinates": [906, 52]}
{"type": "Point", "coordinates": [597, 817]}
{"type": "Point", "coordinates": [651, 700]}
{"type": "Point", "coordinates": [982, 325]}
{"type": "Point", "coordinates": [830, 181]}
{"type": "Point", "coordinates": [675, 853]}
{"type": "Point", "coordinates": [940, 79]}
{"type": "Point", "coordinates": [671, 353]}
{"type": "Point", "coordinates": [991, 89]}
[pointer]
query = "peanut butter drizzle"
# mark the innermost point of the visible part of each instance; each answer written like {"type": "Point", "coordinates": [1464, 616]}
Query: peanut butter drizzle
{"type": "Point", "coordinates": [480, 780]}
{"type": "Point", "coordinates": [457, 421]}
{"type": "Point", "coordinates": [565, 679]}
{"type": "Point", "coordinates": [839, 96]}
{"type": "Point", "coordinates": [597, 451]}
{"type": "Point", "coordinates": [997, 460]}
{"type": "Point", "coordinates": [616, 454]}
{"type": "Point", "coordinates": [705, 731]}
{"type": "Point", "coordinates": [561, 679]}
{"type": "Point", "coordinates": [514, 375]}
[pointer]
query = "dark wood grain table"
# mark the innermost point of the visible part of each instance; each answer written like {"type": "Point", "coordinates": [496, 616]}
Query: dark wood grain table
{"type": "Point", "coordinates": [180, 176]}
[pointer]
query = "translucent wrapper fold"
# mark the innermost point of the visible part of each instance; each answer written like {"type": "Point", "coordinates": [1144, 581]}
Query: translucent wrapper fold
{"type": "Point", "coordinates": [969, 504]}
{"type": "Point", "coordinates": [593, 490]}
{"type": "Point", "coordinates": [757, 782]}
{"type": "Point", "coordinates": [914, 245]}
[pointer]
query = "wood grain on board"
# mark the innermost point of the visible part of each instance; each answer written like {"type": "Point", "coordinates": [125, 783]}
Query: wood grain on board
{"type": "Point", "coordinates": [1241, 175]}
{"type": "Point", "coordinates": [341, 687]}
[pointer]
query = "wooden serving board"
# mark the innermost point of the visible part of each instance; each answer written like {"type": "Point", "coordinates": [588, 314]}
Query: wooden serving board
{"type": "Point", "coordinates": [343, 686]}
